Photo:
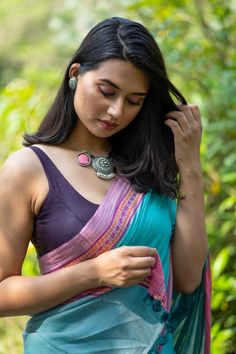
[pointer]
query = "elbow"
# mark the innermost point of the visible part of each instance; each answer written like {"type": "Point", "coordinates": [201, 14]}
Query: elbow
{"type": "Point", "coordinates": [187, 287]}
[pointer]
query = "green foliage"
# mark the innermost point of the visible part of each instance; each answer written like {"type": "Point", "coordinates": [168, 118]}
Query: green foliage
{"type": "Point", "coordinates": [18, 103]}
{"type": "Point", "coordinates": [10, 335]}
{"type": "Point", "coordinates": [30, 265]}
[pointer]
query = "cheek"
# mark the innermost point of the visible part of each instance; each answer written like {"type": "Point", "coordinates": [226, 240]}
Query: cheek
{"type": "Point", "coordinates": [86, 103]}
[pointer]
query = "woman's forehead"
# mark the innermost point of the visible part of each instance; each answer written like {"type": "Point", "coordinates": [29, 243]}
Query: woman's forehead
{"type": "Point", "coordinates": [123, 73]}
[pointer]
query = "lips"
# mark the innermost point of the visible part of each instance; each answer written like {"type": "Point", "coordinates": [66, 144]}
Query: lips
{"type": "Point", "coordinates": [108, 122]}
{"type": "Point", "coordinates": [108, 125]}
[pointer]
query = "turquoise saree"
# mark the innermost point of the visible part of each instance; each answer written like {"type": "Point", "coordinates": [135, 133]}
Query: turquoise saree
{"type": "Point", "coordinates": [145, 318]}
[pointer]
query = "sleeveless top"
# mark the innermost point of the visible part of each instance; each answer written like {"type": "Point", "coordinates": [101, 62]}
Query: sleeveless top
{"type": "Point", "coordinates": [64, 211]}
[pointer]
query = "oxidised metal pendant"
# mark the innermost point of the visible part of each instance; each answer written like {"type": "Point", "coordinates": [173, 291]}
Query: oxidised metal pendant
{"type": "Point", "coordinates": [103, 167]}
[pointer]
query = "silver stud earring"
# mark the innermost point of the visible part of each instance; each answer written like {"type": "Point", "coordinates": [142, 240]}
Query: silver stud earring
{"type": "Point", "coordinates": [73, 83]}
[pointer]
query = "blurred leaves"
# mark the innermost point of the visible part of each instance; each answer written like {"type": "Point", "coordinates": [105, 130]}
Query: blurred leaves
{"type": "Point", "coordinates": [30, 266]}
{"type": "Point", "coordinates": [20, 110]}
{"type": "Point", "coordinates": [10, 335]}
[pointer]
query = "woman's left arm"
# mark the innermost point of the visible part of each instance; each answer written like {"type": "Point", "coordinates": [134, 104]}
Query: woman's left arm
{"type": "Point", "coordinates": [190, 238]}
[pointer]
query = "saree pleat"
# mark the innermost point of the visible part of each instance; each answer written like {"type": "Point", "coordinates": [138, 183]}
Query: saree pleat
{"type": "Point", "coordinates": [119, 324]}
{"type": "Point", "coordinates": [190, 318]}
{"type": "Point", "coordinates": [138, 319]}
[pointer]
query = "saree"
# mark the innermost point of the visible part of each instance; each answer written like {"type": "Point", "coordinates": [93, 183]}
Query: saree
{"type": "Point", "coordinates": [145, 318]}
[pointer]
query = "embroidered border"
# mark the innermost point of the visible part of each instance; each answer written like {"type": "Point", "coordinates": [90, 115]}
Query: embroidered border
{"type": "Point", "coordinates": [109, 239]}
{"type": "Point", "coordinates": [112, 236]}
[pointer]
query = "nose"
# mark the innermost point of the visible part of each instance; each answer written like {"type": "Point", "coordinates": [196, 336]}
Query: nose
{"type": "Point", "coordinates": [115, 110]}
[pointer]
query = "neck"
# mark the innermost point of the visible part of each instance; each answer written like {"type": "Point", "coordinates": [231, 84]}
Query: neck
{"type": "Point", "coordinates": [94, 145]}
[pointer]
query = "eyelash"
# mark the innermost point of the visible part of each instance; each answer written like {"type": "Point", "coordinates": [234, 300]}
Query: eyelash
{"type": "Point", "coordinates": [112, 94]}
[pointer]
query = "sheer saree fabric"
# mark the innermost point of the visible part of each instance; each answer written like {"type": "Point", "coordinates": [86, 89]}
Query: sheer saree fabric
{"type": "Point", "coordinates": [145, 318]}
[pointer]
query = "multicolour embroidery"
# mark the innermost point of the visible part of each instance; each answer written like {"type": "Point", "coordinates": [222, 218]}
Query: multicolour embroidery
{"type": "Point", "coordinates": [112, 236]}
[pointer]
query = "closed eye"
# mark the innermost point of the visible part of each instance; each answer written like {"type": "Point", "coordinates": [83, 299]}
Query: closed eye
{"type": "Point", "coordinates": [106, 94]}
{"type": "Point", "coordinates": [109, 94]}
{"type": "Point", "coordinates": [134, 103]}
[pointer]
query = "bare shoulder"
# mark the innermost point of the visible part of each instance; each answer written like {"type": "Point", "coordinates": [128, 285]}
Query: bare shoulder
{"type": "Point", "coordinates": [21, 176]}
{"type": "Point", "coordinates": [21, 166]}
{"type": "Point", "coordinates": [23, 159]}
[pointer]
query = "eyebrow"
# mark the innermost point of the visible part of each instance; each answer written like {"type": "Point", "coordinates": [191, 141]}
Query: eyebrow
{"type": "Point", "coordinates": [117, 87]}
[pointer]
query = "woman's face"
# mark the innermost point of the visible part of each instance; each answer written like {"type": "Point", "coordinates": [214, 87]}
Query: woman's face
{"type": "Point", "coordinates": [108, 98]}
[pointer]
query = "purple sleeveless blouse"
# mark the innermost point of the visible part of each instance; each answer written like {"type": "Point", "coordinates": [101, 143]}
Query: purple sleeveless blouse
{"type": "Point", "coordinates": [64, 211]}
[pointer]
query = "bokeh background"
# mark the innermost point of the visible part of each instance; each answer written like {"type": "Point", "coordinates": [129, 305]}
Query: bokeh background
{"type": "Point", "coordinates": [198, 40]}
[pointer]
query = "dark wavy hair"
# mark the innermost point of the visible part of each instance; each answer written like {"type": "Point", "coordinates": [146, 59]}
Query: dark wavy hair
{"type": "Point", "coordinates": [144, 150]}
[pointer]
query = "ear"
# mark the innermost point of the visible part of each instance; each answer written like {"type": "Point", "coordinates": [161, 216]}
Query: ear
{"type": "Point", "coordinates": [74, 70]}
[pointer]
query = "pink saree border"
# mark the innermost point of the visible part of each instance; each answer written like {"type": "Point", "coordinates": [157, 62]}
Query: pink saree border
{"type": "Point", "coordinates": [102, 234]}
{"type": "Point", "coordinates": [99, 234]}
{"type": "Point", "coordinates": [156, 286]}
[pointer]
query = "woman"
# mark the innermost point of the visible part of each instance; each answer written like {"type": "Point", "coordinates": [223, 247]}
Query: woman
{"type": "Point", "coordinates": [95, 190]}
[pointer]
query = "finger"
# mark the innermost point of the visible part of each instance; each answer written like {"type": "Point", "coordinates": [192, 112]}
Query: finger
{"type": "Point", "coordinates": [136, 277]}
{"type": "Point", "coordinates": [194, 117]}
{"type": "Point", "coordinates": [142, 262]}
{"type": "Point", "coordinates": [196, 113]}
{"type": "Point", "coordinates": [190, 112]}
{"type": "Point", "coordinates": [181, 118]}
{"type": "Point", "coordinates": [142, 272]}
{"type": "Point", "coordinates": [175, 127]}
{"type": "Point", "coordinates": [140, 275]}
{"type": "Point", "coordinates": [139, 251]}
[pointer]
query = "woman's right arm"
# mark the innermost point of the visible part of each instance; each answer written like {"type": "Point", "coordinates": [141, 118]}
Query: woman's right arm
{"type": "Point", "coordinates": [20, 295]}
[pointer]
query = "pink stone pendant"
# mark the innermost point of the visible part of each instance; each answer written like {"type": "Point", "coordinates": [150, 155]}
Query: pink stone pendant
{"type": "Point", "coordinates": [84, 159]}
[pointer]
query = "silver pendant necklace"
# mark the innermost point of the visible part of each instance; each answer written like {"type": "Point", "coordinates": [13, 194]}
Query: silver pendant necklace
{"type": "Point", "coordinates": [102, 165]}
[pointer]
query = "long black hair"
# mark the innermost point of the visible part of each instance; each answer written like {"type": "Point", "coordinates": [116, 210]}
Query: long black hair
{"type": "Point", "coordinates": [144, 150]}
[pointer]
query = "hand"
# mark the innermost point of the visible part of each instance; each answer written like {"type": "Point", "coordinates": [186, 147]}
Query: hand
{"type": "Point", "coordinates": [187, 129]}
{"type": "Point", "coordinates": [124, 266]}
